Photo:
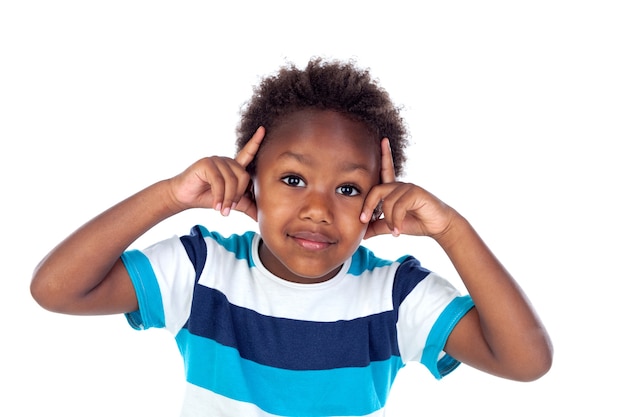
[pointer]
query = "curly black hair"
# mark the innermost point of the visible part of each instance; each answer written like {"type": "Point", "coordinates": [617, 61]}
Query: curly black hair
{"type": "Point", "coordinates": [324, 85]}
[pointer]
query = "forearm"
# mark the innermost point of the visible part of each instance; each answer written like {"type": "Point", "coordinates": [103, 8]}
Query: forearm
{"type": "Point", "coordinates": [81, 262]}
{"type": "Point", "coordinates": [512, 331]}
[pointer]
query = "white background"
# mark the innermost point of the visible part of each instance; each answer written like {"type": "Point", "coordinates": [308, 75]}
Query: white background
{"type": "Point", "coordinates": [517, 115]}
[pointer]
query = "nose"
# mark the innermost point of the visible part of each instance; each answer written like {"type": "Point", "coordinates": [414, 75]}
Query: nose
{"type": "Point", "coordinates": [317, 207]}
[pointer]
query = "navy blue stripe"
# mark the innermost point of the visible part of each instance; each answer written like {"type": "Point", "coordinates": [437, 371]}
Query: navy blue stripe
{"type": "Point", "coordinates": [196, 249]}
{"type": "Point", "coordinates": [293, 344]}
{"type": "Point", "coordinates": [409, 274]}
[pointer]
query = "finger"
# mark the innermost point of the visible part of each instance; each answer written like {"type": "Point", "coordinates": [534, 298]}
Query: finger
{"type": "Point", "coordinates": [247, 206]}
{"type": "Point", "coordinates": [397, 205]}
{"type": "Point", "coordinates": [235, 184]}
{"type": "Point", "coordinates": [376, 228]}
{"type": "Point", "coordinates": [373, 203]}
{"type": "Point", "coordinates": [387, 169]}
{"type": "Point", "coordinates": [248, 152]}
{"type": "Point", "coordinates": [216, 178]}
{"type": "Point", "coordinates": [395, 212]}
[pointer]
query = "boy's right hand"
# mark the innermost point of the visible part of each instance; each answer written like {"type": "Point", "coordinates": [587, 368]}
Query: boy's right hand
{"type": "Point", "coordinates": [219, 182]}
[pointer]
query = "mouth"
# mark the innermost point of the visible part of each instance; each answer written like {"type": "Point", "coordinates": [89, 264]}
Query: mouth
{"type": "Point", "coordinates": [312, 240]}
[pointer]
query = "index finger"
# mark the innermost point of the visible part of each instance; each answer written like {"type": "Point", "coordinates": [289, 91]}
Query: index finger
{"type": "Point", "coordinates": [387, 169]}
{"type": "Point", "coordinates": [248, 152]}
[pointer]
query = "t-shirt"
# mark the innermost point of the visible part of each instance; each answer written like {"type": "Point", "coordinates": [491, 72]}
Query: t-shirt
{"type": "Point", "coordinates": [254, 344]}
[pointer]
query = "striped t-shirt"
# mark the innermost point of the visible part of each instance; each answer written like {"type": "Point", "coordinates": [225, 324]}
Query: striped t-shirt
{"type": "Point", "coordinates": [257, 345]}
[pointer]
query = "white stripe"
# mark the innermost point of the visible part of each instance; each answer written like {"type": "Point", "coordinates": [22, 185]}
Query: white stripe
{"type": "Point", "coordinates": [418, 313]}
{"type": "Point", "coordinates": [176, 277]}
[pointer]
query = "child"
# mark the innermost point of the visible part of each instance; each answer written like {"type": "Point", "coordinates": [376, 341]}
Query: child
{"type": "Point", "coordinates": [299, 319]}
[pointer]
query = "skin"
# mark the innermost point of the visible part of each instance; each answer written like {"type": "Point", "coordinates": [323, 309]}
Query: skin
{"type": "Point", "coordinates": [319, 178]}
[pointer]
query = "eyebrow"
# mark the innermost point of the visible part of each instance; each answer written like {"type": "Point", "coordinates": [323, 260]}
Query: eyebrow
{"type": "Point", "coordinates": [346, 166]}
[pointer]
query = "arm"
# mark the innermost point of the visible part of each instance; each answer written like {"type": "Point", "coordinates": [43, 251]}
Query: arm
{"type": "Point", "coordinates": [84, 273]}
{"type": "Point", "coordinates": [502, 335]}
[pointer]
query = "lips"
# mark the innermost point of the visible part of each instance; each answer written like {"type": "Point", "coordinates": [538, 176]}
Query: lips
{"type": "Point", "coordinates": [312, 240]}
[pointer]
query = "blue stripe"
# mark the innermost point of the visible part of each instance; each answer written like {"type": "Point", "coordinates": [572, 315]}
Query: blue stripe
{"type": "Point", "coordinates": [439, 334]}
{"type": "Point", "coordinates": [196, 249]}
{"type": "Point", "coordinates": [345, 391]}
{"type": "Point", "coordinates": [150, 313]}
{"type": "Point", "coordinates": [239, 245]}
{"type": "Point", "coordinates": [293, 344]}
{"type": "Point", "coordinates": [409, 274]}
{"type": "Point", "coordinates": [365, 260]}
{"type": "Point", "coordinates": [196, 246]}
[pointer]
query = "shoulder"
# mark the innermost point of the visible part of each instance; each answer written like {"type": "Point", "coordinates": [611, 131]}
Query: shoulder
{"type": "Point", "coordinates": [403, 274]}
{"type": "Point", "coordinates": [364, 260]}
{"type": "Point", "coordinates": [199, 238]}
{"type": "Point", "coordinates": [406, 266]}
{"type": "Point", "coordinates": [406, 275]}
{"type": "Point", "coordinates": [204, 246]}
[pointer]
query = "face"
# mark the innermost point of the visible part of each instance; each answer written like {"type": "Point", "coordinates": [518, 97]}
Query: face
{"type": "Point", "coordinates": [313, 174]}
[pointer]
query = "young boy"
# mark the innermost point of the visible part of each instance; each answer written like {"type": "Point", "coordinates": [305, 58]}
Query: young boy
{"type": "Point", "coordinates": [299, 319]}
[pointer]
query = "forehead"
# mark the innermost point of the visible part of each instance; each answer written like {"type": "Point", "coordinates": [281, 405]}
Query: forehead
{"type": "Point", "coordinates": [322, 132]}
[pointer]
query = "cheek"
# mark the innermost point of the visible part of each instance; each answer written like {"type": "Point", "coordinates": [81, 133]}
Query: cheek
{"type": "Point", "coordinates": [349, 220]}
{"type": "Point", "coordinates": [265, 201]}
{"type": "Point", "coordinates": [270, 210]}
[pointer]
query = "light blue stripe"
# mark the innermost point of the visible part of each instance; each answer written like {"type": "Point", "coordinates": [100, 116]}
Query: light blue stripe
{"type": "Point", "coordinates": [344, 391]}
{"type": "Point", "coordinates": [439, 335]}
{"type": "Point", "coordinates": [240, 246]}
{"type": "Point", "coordinates": [150, 313]}
{"type": "Point", "coordinates": [365, 260]}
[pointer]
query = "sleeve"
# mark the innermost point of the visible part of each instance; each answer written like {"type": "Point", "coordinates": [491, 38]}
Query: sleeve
{"type": "Point", "coordinates": [427, 312]}
{"type": "Point", "coordinates": [164, 278]}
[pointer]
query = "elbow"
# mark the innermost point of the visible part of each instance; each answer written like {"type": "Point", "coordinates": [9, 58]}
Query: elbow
{"type": "Point", "coordinates": [46, 292]}
{"type": "Point", "coordinates": [543, 366]}
{"type": "Point", "coordinates": [41, 293]}
{"type": "Point", "coordinates": [536, 371]}
{"type": "Point", "coordinates": [537, 364]}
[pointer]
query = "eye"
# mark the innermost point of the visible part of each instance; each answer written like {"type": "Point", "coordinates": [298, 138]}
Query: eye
{"type": "Point", "coordinates": [293, 181]}
{"type": "Point", "coordinates": [348, 190]}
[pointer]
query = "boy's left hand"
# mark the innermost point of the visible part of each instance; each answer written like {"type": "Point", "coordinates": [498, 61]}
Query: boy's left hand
{"type": "Point", "coordinates": [406, 208]}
